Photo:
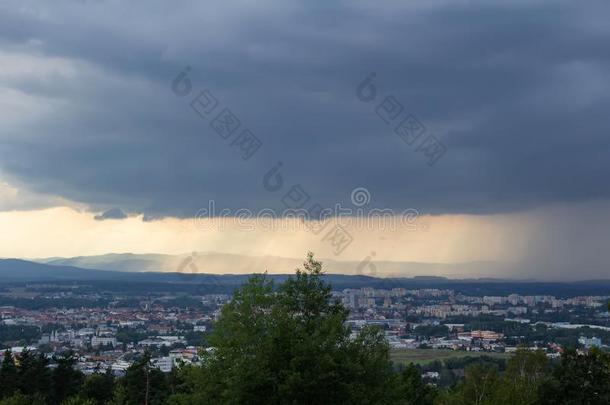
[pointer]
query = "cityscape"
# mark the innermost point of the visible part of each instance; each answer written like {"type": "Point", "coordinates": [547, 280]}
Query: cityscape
{"type": "Point", "coordinates": [110, 330]}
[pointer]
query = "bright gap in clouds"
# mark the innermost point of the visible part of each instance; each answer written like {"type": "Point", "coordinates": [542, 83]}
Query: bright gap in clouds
{"type": "Point", "coordinates": [547, 242]}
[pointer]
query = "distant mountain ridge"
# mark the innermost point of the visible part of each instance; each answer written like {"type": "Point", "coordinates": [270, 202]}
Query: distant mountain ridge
{"type": "Point", "coordinates": [115, 262]}
{"type": "Point", "coordinates": [19, 271]}
{"type": "Point", "coordinates": [16, 270]}
{"type": "Point", "coordinates": [220, 263]}
{"type": "Point", "coordinates": [22, 270]}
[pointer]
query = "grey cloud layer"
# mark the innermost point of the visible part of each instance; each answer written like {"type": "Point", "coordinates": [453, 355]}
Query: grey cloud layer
{"type": "Point", "coordinates": [518, 93]}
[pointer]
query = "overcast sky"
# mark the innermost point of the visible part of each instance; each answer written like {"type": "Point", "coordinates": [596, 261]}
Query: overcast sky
{"type": "Point", "coordinates": [517, 92]}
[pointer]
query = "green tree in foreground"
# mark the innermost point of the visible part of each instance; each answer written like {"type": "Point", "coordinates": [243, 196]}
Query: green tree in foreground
{"type": "Point", "coordinates": [78, 401]}
{"type": "Point", "coordinates": [20, 399]}
{"type": "Point", "coordinates": [411, 390]}
{"type": "Point", "coordinates": [290, 345]}
{"type": "Point", "coordinates": [8, 375]}
{"type": "Point", "coordinates": [521, 382]}
{"type": "Point", "coordinates": [579, 379]}
{"type": "Point", "coordinates": [66, 381]}
{"type": "Point", "coordinates": [478, 388]}
{"type": "Point", "coordinates": [99, 387]}
{"type": "Point", "coordinates": [34, 375]}
{"type": "Point", "coordinates": [142, 384]}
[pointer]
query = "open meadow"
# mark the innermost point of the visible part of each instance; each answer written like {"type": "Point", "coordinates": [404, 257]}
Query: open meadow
{"type": "Point", "coordinates": [423, 356]}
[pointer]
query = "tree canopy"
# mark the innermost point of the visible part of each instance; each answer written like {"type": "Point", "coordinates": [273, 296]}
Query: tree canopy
{"type": "Point", "coordinates": [290, 344]}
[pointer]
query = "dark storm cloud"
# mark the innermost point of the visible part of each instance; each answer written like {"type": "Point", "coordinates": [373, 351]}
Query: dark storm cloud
{"type": "Point", "coordinates": [518, 93]}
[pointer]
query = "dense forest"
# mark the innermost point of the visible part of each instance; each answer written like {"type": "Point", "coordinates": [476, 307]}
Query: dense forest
{"type": "Point", "coordinates": [289, 344]}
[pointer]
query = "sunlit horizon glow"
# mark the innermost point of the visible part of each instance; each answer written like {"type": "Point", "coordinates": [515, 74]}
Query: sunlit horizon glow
{"type": "Point", "coordinates": [508, 238]}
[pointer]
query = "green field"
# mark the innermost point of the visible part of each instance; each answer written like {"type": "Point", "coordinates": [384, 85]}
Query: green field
{"type": "Point", "coordinates": [423, 356]}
